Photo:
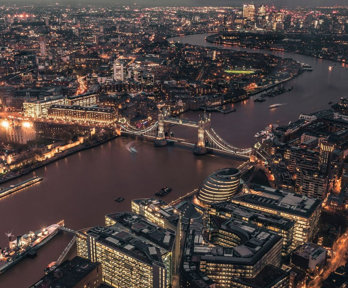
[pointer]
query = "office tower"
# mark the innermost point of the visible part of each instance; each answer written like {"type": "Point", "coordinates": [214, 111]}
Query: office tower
{"type": "Point", "coordinates": [119, 71]}
{"type": "Point", "coordinates": [132, 251]}
{"type": "Point", "coordinates": [42, 44]}
{"type": "Point", "coordinates": [304, 211]}
{"type": "Point", "coordinates": [249, 12]}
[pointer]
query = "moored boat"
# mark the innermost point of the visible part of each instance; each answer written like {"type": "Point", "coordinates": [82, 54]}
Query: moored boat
{"type": "Point", "coordinates": [26, 245]}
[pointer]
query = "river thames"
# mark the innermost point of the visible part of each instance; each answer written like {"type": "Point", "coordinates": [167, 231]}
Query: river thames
{"type": "Point", "coordinates": [81, 188]}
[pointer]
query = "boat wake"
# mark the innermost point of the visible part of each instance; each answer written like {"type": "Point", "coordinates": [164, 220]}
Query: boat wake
{"type": "Point", "coordinates": [130, 147]}
{"type": "Point", "coordinates": [273, 106]}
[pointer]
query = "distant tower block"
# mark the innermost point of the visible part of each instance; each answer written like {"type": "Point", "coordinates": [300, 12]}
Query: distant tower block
{"type": "Point", "coordinates": [119, 70]}
{"type": "Point", "coordinates": [43, 50]}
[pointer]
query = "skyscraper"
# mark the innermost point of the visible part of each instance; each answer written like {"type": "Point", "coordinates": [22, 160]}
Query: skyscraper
{"type": "Point", "coordinates": [119, 71]}
{"type": "Point", "coordinates": [42, 43]}
{"type": "Point", "coordinates": [249, 12]}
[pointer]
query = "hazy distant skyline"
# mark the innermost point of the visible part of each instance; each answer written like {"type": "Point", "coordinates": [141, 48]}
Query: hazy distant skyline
{"type": "Point", "coordinates": [279, 3]}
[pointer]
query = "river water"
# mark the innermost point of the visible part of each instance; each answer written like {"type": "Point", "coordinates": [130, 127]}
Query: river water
{"type": "Point", "coordinates": [81, 188]}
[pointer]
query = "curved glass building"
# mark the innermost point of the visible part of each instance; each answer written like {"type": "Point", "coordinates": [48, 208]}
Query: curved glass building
{"type": "Point", "coordinates": [220, 186]}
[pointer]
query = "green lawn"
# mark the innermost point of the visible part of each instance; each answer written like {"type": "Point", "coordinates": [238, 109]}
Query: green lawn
{"type": "Point", "coordinates": [240, 71]}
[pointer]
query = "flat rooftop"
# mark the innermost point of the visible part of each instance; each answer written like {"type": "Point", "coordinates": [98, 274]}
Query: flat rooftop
{"type": "Point", "coordinates": [160, 208]}
{"type": "Point", "coordinates": [251, 215]}
{"type": "Point", "coordinates": [309, 250]}
{"type": "Point", "coordinates": [275, 199]}
{"type": "Point", "coordinates": [267, 278]}
{"type": "Point", "coordinates": [68, 274]}
{"type": "Point", "coordinates": [135, 236]}
{"type": "Point", "coordinates": [255, 242]}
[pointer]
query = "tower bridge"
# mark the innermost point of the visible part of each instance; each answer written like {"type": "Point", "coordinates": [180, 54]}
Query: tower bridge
{"type": "Point", "coordinates": [207, 139]}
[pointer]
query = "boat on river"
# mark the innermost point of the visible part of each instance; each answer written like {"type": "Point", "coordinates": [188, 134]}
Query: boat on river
{"type": "Point", "coordinates": [119, 199]}
{"type": "Point", "coordinates": [17, 187]}
{"type": "Point", "coordinates": [163, 192]}
{"type": "Point", "coordinates": [26, 245]}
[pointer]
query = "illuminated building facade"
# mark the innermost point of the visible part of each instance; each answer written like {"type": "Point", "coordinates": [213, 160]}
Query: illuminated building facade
{"type": "Point", "coordinates": [279, 225]}
{"type": "Point", "coordinates": [157, 211]}
{"type": "Point", "coordinates": [133, 252]}
{"type": "Point", "coordinates": [235, 249]}
{"type": "Point", "coordinates": [95, 115]}
{"type": "Point", "coordinates": [304, 211]}
{"type": "Point", "coordinates": [220, 186]}
{"type": "Point", "coordinates": [249, 12]}
{"type": "Point", "coordinates": [325, 151]}
{"type": "Point", "coordinates": [311, 183]}
{"type": "Point", "coordinates": [270, 277]}
{"type": "Point", "coordinates": [39, 108]}
{"type": "Point", "coordinates": [85, 100]}
{"type": "Point", "coordinates": [163, 215]}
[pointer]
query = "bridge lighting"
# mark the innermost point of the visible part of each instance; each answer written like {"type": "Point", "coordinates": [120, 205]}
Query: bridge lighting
{"type": "Point", "coordinates": [5, 124]}
{"type": "Point", "coordinates": [27, 124]}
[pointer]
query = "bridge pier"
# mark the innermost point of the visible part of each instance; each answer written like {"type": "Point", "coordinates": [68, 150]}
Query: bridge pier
{"type": "Point", "coordinates": [200, 148]}
{"type": "Point", "coordinates": [160, 140]}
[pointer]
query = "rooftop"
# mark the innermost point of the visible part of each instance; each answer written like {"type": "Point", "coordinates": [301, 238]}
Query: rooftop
{"type": "Point", "coordinates": [82, 108]}
{"type": "Point", "coordinates": [239, 212]}
{"type": "Point", "coordinates": [287, 202]}
{"type": "Point", "coordinates": [254, 243]}
{"type": "Point", "coordinates": [68, 274]}
{"type": "Point", "coordinates": [309, 250]}
{"type": "Point", "coordinates": [135, 236]}
{"type": "Point", "coordinates": [268, 277]}
{"type": "Point", "coordinates": [160, 208]}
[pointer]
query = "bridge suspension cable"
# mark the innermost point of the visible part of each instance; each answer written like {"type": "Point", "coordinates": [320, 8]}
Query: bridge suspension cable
{"type": "Point", "coordinates": [223, 145]}
{"type": "Point", "coordinates": [133, 130]}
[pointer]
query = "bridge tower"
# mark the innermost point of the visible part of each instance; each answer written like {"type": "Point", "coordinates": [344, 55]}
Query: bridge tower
{"type": "Point", "coordinates": [203, 124]}
{"type": "Point", "coordinates": [161, 137]}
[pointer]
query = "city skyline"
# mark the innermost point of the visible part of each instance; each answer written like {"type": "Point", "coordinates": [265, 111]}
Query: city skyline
{"type": "Point", "coordinates": [173, 147]}
{"type": "Point", "coordinates": [154, 3]}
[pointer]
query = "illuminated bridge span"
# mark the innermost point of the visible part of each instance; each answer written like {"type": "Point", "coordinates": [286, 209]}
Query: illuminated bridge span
{"type": "Point", "coordinates": [208, 139]}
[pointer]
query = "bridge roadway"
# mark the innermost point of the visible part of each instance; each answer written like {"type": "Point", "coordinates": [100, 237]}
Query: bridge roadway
{"type": "Point", "coordinates": [178, 121]}
{"type": "Point", "coordinates": [185, 143]}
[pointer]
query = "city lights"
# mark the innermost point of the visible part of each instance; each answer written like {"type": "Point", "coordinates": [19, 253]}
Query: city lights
{"type": "Point", "coordinates": [204, 121]}
{"type": "Point", "coordinates": [27, 124]}
{"type": "Point", "coordinates": [5, 124]}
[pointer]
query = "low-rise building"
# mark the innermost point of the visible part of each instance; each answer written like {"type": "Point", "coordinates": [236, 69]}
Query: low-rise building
{"type": "Point", "coordinates": [83, 115]}
{"type": "Point", "coordinates": [309, 257]}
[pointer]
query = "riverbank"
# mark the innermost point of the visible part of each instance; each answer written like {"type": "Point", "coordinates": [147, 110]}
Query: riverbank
{"type": "Point", "coordinates": [62, 155]}
{"type": "Point", "coordinates": [213, 40]}
{"type": "Point", "coordinates": [291, 70]}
